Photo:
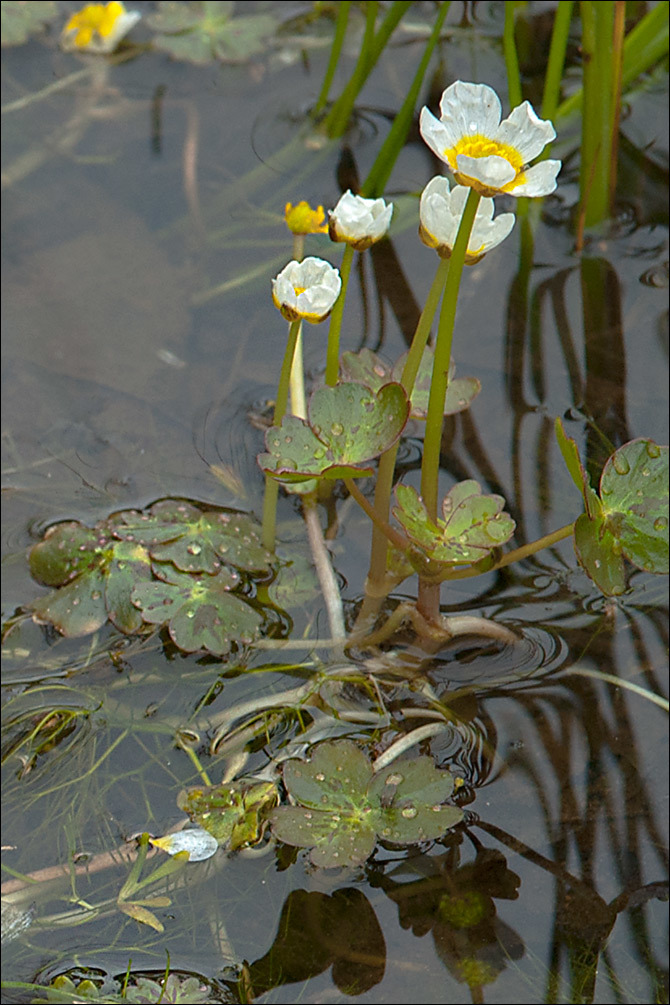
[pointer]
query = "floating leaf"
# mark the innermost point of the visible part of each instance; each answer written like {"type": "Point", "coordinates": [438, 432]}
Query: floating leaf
{"type": "Point", "coordinates": [128, 566]}
{"type": "Point", "coordinates": [367, 368]}
{"type": "Point", "coordinates": [634, 496]}
{"type": "Point", "coordinates": [630, 517]}
{"type": "Point", "coordinates": [347, 425]}
{"type": "Point", "coordinates": [22, 18]}
{"type": "Point", "coordinates": [346, 808]}
{"type": "Point", "coordinates": [201, 612]}
{"type": "Point", "coordinates": [195, 540]}
{"type": "Point", "coordinates": [141, 914]}
{"type": "Point", "coordinates": [233, 814]}
{"type": "Point", "coordinates": [68, 549]}
{"type": "Point", "coordinates": [201, 32]}
{"type": "Point", "coordinates": [473, 524]}
{"type": "Point", "coordinates": [75, 609]}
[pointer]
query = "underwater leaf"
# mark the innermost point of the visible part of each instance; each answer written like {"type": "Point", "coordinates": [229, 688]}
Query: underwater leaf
{"type": "Point", "coordinates": [195, 540]}
{"type": "Point", "coordinates": [473, 523]}
{"type": "Point", "coordinates": [600, 555]}
{"type": "Point", "coordinates": [22, 18]}
{"type": "Point", "coordinates": [201, 612]}
{"type": "Point", "coordinates": [173, 991]}
{"type": "Point", "coordinates": [634, 495]}
{"type": "Point", "coordinates": [201, 32]}
{"type": "Point", "coordinates": [346, 808]}
{"type": "Point", "coordinates": [75, 609]}
{"type": "Point", "coordinates": [347, 425]}
{"type": "Point", "coordinates": [296, 582]}
{"type": "Point", "coordinates": [367, 368]}
{"type": "Point", "coordinates": [66, 551]}
{"type": "Point", "coordinates": [141, 914]}
{"type": "Point", "coordinates": [233, 813]}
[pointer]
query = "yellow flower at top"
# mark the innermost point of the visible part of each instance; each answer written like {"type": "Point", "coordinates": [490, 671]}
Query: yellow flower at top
{"type": "Point", "coordinates": [98, 27]}
{"type": "Point", "coordinates": [302, 219]}
{"type": "Point", "coordinates": [484, 153]}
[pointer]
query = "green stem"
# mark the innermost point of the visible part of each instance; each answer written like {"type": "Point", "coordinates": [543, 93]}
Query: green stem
{"type": "Point", "coordinates": [336, 49]}
{"type": "Point", "coordinates": [384, 528]}
{"type": "Point", "coordinates": [387, 461]}
{"type": "Point", "coordinates": [511, 58]}
{"type": "Point", "coordinates": [271, 496]}
{"type": "Point", "coordinates": [438, 388]}
{"type": "Point", "coordinates": [333, 353]}
{"type": "Point", "coordinates": [380, 172]}
{"type": "Point", "coordinates": [556, 62]}
{"type": "Point", "coordinates": [518, 554]}
{"type": "Point", "coordinates": [372, 47]}
{"type": "Point", "coordinates": [429, 593]}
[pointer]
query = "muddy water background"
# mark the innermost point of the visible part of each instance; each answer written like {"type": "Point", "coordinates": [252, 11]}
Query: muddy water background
{"type": "Point", "coordinates": [142, 222]}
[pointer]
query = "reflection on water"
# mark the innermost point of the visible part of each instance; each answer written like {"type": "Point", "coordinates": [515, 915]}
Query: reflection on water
{"type": "Point", "coordinates": [140, 233]}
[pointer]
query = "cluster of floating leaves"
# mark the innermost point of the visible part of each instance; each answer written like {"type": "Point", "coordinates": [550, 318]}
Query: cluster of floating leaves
{"type": "Point", "coordinates": [173, 564]}
{"type": "Point", "coordinates": [139, 991]}
{"type": "Point", "coordinates": [344, 807]}
{"type": "Point", "coordinates": [628, 518]}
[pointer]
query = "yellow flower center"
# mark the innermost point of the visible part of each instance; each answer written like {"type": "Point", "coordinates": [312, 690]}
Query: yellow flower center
{"type": "Point", "coordinates": [95, 18]}
{"type": "Point", "coordinates": [302, 219]}
{"type": "Point", "coordinates": [482, 146]}
{"type": "Point", "coordinates": [298, 290]}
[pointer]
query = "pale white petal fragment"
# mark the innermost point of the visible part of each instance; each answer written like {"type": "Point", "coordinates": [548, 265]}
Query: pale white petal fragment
{"type": "Point", "coordinates": [307, 290]}
{"type": "Point", "coordinates": [539, 179]}
{"type": "Point", "coordinates": [358, 221]}
{"type": "Point", "coordinates": [199, 843]}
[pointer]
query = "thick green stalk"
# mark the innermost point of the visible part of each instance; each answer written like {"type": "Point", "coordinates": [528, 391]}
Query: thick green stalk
{"type": "Point", "coordinates": [380, 172]}
{"type": "Point", "coordinates": [372, 47]}
{"type": "Point", "coordinates": [429, 593]}
{"type": "Point", "coordinates": [511, 58]}
{"type": "Point", "coordinates": [336, 49]}
{"type": "Point", "coordinates": [333, 352]}
{"type": "Point", "coordinates": [597, 117]}
{"type": "Point", "coordinates": [556, 62]}
{"type": "Point", "coordinates": [387, 461]}
{"type": "Point", "coordinates": [269, 523]}
{"type": "Point", "coordinates": [438, 388]}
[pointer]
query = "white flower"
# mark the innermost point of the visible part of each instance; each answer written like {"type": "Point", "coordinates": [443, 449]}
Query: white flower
{"type": "Point", "coordinates": [484, 153]}
{"type": "Point", "coordinates": [358, 221]}
{"type": "Point", "coordinates": [98, 27]}
{"type": "Point", "coordinates": [440, 212]}
{"type": "Point", "coordinates": [306, 289]}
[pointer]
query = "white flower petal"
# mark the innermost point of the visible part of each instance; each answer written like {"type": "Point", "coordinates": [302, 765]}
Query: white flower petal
{"type": "Point", "coordinates": [525, 131]}
{"type": "Point", "coordinates": [441, 209]}
{"type": "Point", "coordinates": [493, 172]}
{"type": "Point", "coordinates": [359, 221]}
{"type": "Point", "coordinates": [470, 109]}
{"type": "Point", "coordinates": [538, 180]}
{"type": "Point", "coordinates": [436, 134]}
{"type": "Point", "coordinates": [490, 234]}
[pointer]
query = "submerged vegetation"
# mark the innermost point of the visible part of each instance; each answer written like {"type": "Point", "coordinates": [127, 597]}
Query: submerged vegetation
{"type": "Point", "coordinates": [367, 747]}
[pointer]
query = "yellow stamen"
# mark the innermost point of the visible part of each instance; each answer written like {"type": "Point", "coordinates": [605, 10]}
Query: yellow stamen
{"type": "Point", "coordinates": [302, 219]}
{"type": "Point", "coordinates": [482, 146]}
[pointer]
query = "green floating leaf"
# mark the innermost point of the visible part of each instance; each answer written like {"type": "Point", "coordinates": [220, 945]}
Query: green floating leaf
{"type": "Point", "coordinates": [202, 32]}
{"type": "Point", "coordinates": [68, 549]}
{"type": "Point", "coordinates": [234, 814]}
{"type": "Point", "coordinates": [630, 517]}
{"type": "Point", "coordinates": [473, 524]}
{"type": "Point", "coordinates": [634, 496]}
{"type": "Point", "coordinates": [367, 368]}
{"type": "Point", "coordinates": [201, 613]}
{"type": "Point", "coordinates": [195, 540]}
{"type": "Point", "coordinates": [75, 609]}
{"type": "Point", "coordinates": [348, 425]}
{"type": "Point", "coordinates": [346, 808]}
{"type": "Point", "coordinates": [19, 19]}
